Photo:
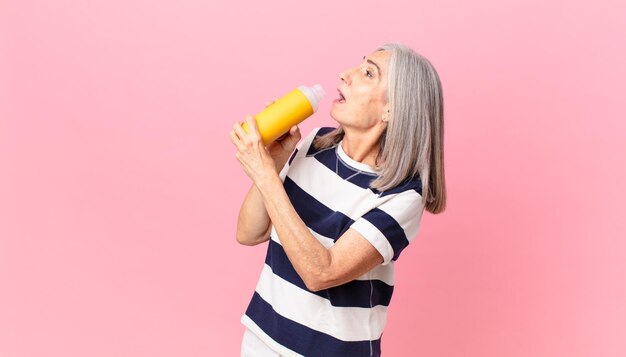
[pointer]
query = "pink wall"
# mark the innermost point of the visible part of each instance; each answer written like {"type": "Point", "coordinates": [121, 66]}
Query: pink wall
{"type": "Point", "coordinates": [119, 189]}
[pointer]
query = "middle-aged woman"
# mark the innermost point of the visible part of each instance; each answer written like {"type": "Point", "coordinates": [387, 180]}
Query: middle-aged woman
{"type": "Point", "coordinates": [340, 207]}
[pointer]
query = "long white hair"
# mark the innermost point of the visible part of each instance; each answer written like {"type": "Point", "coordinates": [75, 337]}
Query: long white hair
{"type": "Point", "coordinates": [412, 144]}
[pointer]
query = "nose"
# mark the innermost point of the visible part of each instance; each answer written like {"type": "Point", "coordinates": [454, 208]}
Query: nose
{"type": "Point", "coordinates": [343, 77]}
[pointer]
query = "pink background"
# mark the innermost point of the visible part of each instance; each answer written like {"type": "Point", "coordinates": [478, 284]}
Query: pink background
{"type": "Point", "coordinates": [119, 189]}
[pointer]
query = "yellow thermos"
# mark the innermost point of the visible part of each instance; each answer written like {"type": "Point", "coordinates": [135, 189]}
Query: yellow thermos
{"type": "Point", "coordinates": [290, 110]}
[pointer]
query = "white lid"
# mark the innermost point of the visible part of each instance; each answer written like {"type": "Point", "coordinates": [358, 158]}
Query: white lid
{"type": "Point", "coordinates": [314, 94]}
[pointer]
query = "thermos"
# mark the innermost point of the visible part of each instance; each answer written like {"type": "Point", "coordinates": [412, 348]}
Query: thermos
{"type": "Point", "coordinates": [290, 110]}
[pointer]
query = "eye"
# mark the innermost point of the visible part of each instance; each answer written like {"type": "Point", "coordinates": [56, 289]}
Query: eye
{"type": "Point", "coordinates": [368, 73]}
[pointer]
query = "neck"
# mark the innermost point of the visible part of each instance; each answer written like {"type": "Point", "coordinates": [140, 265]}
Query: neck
{"type": "Point", "coordinates": [361, 147]}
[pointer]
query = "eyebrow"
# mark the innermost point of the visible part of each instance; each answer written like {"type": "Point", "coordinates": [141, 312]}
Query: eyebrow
{"type": "Point", "coordinates": [372, 62]}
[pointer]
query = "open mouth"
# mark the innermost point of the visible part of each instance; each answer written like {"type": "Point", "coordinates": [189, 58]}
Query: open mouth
{"type": "Point", "coordinates": [341, 98]}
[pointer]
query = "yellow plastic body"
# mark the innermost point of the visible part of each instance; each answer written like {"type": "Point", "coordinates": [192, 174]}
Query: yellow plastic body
{"type": "Point", "coordinates": [280, 116]}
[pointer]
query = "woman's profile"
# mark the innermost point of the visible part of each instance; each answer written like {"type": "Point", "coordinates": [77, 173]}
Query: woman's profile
{"type": "Point", "coordinates": [338, 207]}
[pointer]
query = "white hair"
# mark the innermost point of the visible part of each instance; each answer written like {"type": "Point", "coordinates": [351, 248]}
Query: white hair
{"type": "Point", "coordinates": [412, 144]}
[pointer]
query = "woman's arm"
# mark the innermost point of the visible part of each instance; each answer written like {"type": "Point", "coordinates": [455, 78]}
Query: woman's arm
{"type": "Point", "coordinates": [253, 223]}
{"type": "Point", "coordinates": [320, 268]}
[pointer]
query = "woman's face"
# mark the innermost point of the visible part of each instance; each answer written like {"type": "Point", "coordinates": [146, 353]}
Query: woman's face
{"type": "Point", "coordinates": [362, 100]}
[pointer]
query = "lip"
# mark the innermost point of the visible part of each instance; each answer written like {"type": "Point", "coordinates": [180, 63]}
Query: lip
{"type": "Point", "coordinates": [341, 95]}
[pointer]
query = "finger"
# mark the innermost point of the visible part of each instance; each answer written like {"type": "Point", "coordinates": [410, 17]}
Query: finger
{"type": "Point", "coordinates": [244, 137]}
{"type": "Point", "coordinates": [294, 137]}
{"type": "Point", "coordinates": [234, 138]}
{"type": "Point", "coordinates": [252, 126]}
{"type": "Point", "coordinates": [292, 131]}
{"type": "Point", "coordinates": [294, 134]}
{"type": "Point", "coordinates": [239, 131]}
{"type": "Point", "coordinates": [280, 138]}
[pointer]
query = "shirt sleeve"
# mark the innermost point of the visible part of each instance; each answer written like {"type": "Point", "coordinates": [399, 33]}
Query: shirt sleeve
{"type": "Point", "coordinates": [391, 226]}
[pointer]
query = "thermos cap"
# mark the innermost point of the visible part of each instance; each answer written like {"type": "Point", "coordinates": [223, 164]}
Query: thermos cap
{"type": "Point", "coordinates": [314, 94]}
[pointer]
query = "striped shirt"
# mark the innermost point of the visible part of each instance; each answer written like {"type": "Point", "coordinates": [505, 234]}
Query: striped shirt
{"type": "Point", "coordinates": [331, 193]}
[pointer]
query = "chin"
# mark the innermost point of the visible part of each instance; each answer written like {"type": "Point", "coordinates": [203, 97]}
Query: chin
{"type": "Point", "coordinates": [343, 119]}
{"type": "Point", "coordinates": [333, 115]}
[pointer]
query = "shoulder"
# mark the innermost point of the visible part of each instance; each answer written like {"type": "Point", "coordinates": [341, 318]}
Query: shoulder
{"type": "Point", "coordinates": [317, 132]}
{"type": "Point", "coordinates": [323, 130]}
{"type": "Point", "coordinates": [306, 144]}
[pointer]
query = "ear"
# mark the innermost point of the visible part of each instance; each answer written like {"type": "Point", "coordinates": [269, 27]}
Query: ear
{"type": "Point", "coordinates": [386, 113]}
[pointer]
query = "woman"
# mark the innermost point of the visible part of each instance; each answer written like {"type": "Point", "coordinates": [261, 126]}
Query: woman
{"type": "Point", "coordinates": [340, 209]}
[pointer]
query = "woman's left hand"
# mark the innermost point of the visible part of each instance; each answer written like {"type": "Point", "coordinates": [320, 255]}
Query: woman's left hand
{"type": "Point", "coordinates": [251, 152]}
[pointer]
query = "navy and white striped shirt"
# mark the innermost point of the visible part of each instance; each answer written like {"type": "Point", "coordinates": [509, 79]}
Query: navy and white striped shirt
{"type": "Point", "coordinates": [331, 193]}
